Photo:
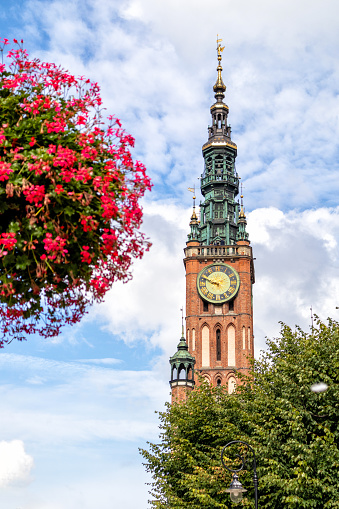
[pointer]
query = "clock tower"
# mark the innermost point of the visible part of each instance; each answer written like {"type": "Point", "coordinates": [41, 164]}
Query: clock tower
{"type": "Point", "coordinates": [218, 263]}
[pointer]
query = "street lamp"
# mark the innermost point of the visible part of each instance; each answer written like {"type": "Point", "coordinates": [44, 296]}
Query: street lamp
{"type": "Point", "coordinates": [236, 489]}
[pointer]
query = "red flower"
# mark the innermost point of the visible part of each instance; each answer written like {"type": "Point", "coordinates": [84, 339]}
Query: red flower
{"type": "Point", "coordinates": [69, 227]}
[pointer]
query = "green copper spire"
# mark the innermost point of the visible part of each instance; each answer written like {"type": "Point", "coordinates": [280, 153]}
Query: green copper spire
{"type": "Point", "coordinates": [219, 218]}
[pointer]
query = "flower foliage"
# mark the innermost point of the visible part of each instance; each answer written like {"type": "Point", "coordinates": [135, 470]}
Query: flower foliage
{"type": "Point", "coordinates": [70, 191]}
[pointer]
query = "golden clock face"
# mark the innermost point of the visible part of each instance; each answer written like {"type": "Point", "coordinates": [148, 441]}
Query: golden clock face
{"type": "Point", "coordinates": [218, 283]}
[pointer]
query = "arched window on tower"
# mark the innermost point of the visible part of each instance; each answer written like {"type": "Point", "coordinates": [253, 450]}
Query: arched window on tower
{"type": "Point", "coordinates": [193, 340]}
{"type": "Point", "coordinates": [205, 346]}
{"type": "Point", "coordinates": [218, 344]}
{"type": "Point", "coordinates": [229, 164]}
{"type": "Point", "coordinates": [249, 337]}
{"type": "Point", "coordinates": [174, 373]}
{"type": "Point", "coordinates": [208, 165]}
{"type": "Point", "coordinates": [231, 345]}
{"type": "Point", "coordinates": [182, 372]}
{"type": "Point", "coordinates": [219, 164]}
{"type": "Point", "coordinates": [244, 338]}
{"type": "Point", "coordinates": [218, 382]}
{"type": "Point", "coordinates": [231, 385]}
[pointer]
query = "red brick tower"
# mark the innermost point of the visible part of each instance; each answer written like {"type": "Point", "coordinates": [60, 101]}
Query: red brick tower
{"type": "Point", "coordinates": [219, 261]}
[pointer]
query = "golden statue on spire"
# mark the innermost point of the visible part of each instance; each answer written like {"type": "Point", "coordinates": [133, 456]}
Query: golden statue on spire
{"type": "Point", "coordinates": [219, 48]}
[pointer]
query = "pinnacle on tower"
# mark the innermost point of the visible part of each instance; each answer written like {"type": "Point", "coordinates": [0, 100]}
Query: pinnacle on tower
{"type": "Point", "coordinates": [242, 233]}
{"type": "Point", "coordinates": [194, 222]}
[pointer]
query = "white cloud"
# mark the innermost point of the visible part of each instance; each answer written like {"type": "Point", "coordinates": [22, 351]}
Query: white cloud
{"type": "Point", "coordinates": [148, 307]}
{"type": "Point", "coordinates": [108, 361]}
{"type": "Point", "coordinates": [15, 463]}
{"type": "Point", "coordinates": [70, 402]}
{"type": "Point", "coordinates": [156, 68]}
{"type": "Point", "coordinates": [296, 267]}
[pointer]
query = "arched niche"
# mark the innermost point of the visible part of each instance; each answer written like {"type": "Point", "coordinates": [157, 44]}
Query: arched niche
{"type": "Point", "coordinates": [231, 345]}
{"type": "Point", "coordinates": [205, 346]}
{"type": "Point", "coordinates": [193, 340]}
{"type": "Point", "coordinates": [231, 385]}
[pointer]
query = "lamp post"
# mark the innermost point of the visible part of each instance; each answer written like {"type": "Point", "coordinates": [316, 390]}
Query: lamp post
{"type": "Point", "coordinates": [236, 489]}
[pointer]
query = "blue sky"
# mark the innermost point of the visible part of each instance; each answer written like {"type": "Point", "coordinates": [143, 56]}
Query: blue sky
{"type": "Point", "coordinates": [75, 410]}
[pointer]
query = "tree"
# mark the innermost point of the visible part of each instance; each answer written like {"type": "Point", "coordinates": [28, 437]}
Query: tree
{"type": "Point", "coordinates": [69, 208]}
{"type": "Point", "coordinates": [293, 431]}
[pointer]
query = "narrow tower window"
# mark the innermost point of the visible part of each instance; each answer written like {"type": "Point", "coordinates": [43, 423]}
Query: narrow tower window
{"type": "Point", "coordinates": [231, 385]}
{"type": "Point", "coordinates": [205, 346]}
{"type": "Point", "coordinates": [249, 338]}
{"type": "Point", "coordinates": [182, 372]}
{"type": "Point", "coordinates": [193, 340]}
{"type": "Point", "coordinates": [218, 345]}
{"type": "Point", "coordinates": [231, 345]}
{"type": "Point", "coordinates": [243, 338]}
{"type": "Point", "coordinates": [205, 306]}
{"type": "Point", "coordinates": [231, 305]}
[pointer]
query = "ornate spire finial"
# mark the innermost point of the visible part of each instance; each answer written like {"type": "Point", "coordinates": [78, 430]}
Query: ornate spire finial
{"type": "Point", "coordinates": [182, 321]}
{"type": "Point", "coordinates": [219, 87]}
{"type": "Point", "coordinates": [193, 216]}
{"type": "Point", "coordinates": [219, 48]}
{"type": "Point", "coordinates": [242, 212]}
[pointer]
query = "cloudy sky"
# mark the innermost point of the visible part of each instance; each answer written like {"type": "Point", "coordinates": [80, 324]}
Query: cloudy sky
{"type": "Point", "coordinates": [74, 411]}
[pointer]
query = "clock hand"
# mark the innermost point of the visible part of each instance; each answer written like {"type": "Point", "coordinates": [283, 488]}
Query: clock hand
{"type": "Point", "coordinates": [212, 282]}
{"type": "Point", "coordinates": [208, 279]}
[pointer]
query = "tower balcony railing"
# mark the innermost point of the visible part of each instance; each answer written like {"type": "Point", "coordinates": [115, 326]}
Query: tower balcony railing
{"type": "Point", "coordinates": [219, 131]}
{"type": "Point", "coordinates": [216, 250]}
{"type": "Point", "coordinates": [225, 177]}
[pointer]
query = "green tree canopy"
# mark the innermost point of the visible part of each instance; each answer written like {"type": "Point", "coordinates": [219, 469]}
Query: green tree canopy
{"type": "Point", "coordinates": [293, 431]}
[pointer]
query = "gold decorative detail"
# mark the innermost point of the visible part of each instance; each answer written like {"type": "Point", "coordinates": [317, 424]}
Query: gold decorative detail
{"type": "Point", "coordinates": [219, 85]}
{"type": "Point", "coordinates": [219, 48]}
{"type": "Point", "coordinates": [242, 211]}
{"type": "Point", "coordinates": [218, 106]}
{"type": "Point", "coordinates": [194, 217]}
{"type": "Point", "coordinates": [219, 143]}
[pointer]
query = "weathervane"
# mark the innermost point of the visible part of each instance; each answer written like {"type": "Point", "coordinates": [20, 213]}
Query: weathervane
{"type": "Point", "coordinates": [219, 48]}
{"type": "Point", "coordinates": [192, 190]}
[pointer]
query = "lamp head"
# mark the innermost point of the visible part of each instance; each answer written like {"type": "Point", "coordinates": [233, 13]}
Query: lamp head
{"type": "Point", "coordinates": [236, 490]}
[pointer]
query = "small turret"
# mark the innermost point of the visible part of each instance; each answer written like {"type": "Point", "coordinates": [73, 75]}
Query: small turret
{"type": "Point", "coordinates": [182, 370]}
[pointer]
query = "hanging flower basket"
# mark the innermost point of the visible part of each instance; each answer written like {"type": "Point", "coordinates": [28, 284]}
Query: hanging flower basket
{"type": "Point", "coordinates": [69, 198]}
